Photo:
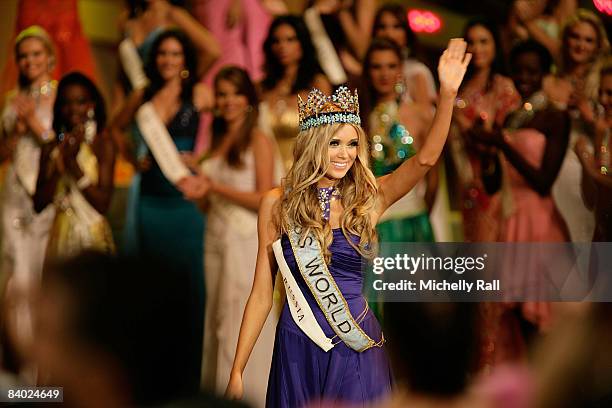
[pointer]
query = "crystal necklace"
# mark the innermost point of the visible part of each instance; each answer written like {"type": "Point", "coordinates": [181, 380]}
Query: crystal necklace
{"type": "Point", "coordinates": [43, 89]}
{"type": "Point", "coordinates": [326, 195]}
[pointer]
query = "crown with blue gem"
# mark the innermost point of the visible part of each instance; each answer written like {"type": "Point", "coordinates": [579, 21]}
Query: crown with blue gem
{"type": "Point", "coordinates": [320, 109]}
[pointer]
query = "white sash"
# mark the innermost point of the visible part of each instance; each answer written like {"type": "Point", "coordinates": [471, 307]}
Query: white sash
{"type": "Point", "coordinates": [328, 58]}
{"type": "Point", "coordinates": [132, 64]}
{"type": "Point", "coordinates": [84, 211]}
{"type": "Point", "coordinates": [298, 306]}
{"type": "Point", "coordinates": [27, 159]}
{"type": "Point", "coordinates": [160, 143]}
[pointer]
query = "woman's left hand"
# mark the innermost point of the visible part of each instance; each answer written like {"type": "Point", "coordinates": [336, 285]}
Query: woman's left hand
{"type": "Point", "coordinates": [453, 65]}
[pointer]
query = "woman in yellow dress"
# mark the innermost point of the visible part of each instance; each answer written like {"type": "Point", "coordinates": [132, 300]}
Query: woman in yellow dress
{"type": "Point", "coordinates": [76, 171]}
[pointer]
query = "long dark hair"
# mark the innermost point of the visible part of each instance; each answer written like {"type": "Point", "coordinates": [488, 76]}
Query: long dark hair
{"type": "Point", "coordinates": [497, 65]}
{"type": "Point", "coordinates": [191, 65]}
{"type": "Point", "coordinates": [368, 97]}
{"type": "Point", "coordinates": [77, 78]}
{"type": "Point", "coordinates": [244, 86]}
{"type": "Point", "coordinates": [308, 66]}
{"type": "Point", "coordinates": [399, 12]}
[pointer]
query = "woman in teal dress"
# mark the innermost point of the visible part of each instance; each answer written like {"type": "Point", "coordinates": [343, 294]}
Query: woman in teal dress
{"type": "Point", "coordinates": [166, 226]}
{"type": "Point", "coordinates": [395, 128]}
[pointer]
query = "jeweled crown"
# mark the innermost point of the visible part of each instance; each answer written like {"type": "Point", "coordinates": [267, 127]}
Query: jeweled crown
{"type": "Point", "coordinates": [320, 109]}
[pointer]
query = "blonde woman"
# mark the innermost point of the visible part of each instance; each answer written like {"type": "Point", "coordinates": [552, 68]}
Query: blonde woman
{"type": "Point", "coordinates": [328, 208]}
{"type": "Point", "coordinates": [25, 127]}
{"type": "Point", "coordinates": [584, 46]}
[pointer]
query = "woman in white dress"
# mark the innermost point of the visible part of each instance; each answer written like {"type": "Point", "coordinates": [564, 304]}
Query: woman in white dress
{"type": "Point", "coordinates": [26, 126]}
{"type": "Point", "coordinates": [241, 166]}
{"type": "Point", "coordinates": [584, 46]}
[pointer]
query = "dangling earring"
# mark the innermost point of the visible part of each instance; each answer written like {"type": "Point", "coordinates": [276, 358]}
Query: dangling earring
{"type": "Point", "coordinates": [184, 74]}
{"type": "Point", "coordinates": [90, 126]}
{"type": "Point", "coordinates": [249, 109]}
{"type": "Point", "coordinates": [399, 87]}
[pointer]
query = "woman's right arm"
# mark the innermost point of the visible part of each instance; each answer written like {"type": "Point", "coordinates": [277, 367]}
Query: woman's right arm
{"type": "Point", "coordinates": [259, 303]}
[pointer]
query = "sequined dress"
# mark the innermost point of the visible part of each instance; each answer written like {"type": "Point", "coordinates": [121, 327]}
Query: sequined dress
{"type": "Point", "coordinates": [281, 121]}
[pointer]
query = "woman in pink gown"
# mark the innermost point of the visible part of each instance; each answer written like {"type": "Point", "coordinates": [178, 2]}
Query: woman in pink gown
{"type": "Point", "coordinates": [533, 143]}
{"type": "Point", "coordinates": [240, 26]}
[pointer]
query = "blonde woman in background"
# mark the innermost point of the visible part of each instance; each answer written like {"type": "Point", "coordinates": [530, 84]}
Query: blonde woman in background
{"type": "Point", "coordinates": [584, 46]}
{"type": "Point", "coordinates": [26, 126]}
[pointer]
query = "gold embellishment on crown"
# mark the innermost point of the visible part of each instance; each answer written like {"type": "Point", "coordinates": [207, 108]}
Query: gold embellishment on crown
{"type": "Point", "coordinates": [320, 109]}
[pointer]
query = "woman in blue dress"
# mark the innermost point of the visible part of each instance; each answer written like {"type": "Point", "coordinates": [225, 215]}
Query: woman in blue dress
{"type": "Point", "coordinates": [166, 226]}
{"type": "Point", "coordinates": [316, 230]}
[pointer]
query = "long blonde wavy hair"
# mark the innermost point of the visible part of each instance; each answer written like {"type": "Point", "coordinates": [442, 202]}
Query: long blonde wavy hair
{"type": "Point", "coordinates": [603, 48]}
{"type": "Point", "coordinates": [299, 205]}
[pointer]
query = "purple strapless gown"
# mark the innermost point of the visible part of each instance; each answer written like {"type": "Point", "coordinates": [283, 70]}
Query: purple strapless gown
{"type": "Point", "coordinates": [302, 374]}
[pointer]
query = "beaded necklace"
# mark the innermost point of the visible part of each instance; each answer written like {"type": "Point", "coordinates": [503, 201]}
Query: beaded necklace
{"type": "Point", "coordinates": [604, 154]}
{"type": "Point", "coordinates": [43, 89]}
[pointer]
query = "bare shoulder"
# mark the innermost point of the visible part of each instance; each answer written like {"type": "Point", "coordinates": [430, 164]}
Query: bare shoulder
{"type": "Point", "coordinates": [270, 198]}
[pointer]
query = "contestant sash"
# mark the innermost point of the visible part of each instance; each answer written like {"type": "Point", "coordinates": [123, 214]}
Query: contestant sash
{"type": "Point", "coordinates": [328, 58]}
{"type": "Point", "coordinates": [327, 294]}
{"type": "Point", "coordinates": [160, 143]}
{"type": "Point", "coordinates": [27, 159]}
{"type": "Point", "coordinates": [298, 306]}
{"type": "Point", "coordinates": [132, 64]}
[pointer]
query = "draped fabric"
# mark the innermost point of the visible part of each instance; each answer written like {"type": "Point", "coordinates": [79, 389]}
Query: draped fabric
{"type": "Point", "coordinates": [302, 373]}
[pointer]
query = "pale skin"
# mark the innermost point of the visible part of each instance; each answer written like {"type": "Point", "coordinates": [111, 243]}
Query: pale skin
{"type": "Point", "coordinates": [582, 49]}
{"type": "Point", "coordinates": [342, 154]}
{"type": "Point", "coordinates": [34, 63]}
